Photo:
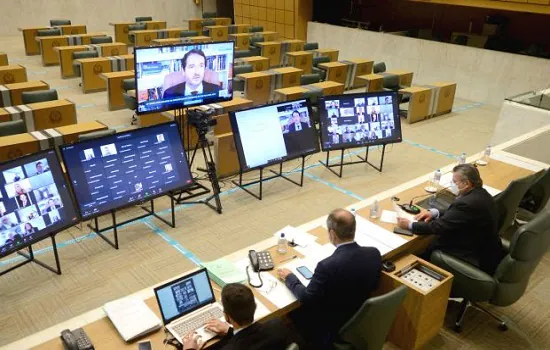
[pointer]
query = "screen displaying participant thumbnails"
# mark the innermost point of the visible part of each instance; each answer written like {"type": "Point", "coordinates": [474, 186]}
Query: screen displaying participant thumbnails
{"type": "Point", "coordinates": [272, 134]}
{"type": "Point", "coordinates": [356, 120]}
{"type": "Point", "coordinates": [29, 187]}
{"type": "Point", "coordinates": [128, 167]}
{"type": "Point", "coordinates": [183, 75]}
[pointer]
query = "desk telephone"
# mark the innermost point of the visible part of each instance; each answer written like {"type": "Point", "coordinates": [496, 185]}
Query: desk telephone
{"type": "Point", "coordinates": [260, 261]}
{"type": "Point", "coordinates": [76, 340]}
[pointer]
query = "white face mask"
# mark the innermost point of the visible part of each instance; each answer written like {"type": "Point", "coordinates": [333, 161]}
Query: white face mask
{"type": "Point", "coordinates": [454, 189]}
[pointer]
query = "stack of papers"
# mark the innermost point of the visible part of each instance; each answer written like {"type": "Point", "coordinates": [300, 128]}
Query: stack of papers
{"type": "Point", "coordinates": [132, 318]}
{"type": "Point", "coordinates": [368, 234]}
{"type": "Point", "coordinates": [223, 271]}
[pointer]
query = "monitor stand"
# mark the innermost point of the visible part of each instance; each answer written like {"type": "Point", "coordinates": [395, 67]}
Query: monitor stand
{"type": "Point", "coordinates": [363, 160]}
{"type": "Point", "coordinates": [29, 257]}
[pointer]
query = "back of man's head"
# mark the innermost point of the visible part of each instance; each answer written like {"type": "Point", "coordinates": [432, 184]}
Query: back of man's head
{"type": "Point", "coordinates": [342, 223]}
{"type": "Point", "coordinates": [238, 303]}
{"type": "Point", "coordinates": [468, 172]}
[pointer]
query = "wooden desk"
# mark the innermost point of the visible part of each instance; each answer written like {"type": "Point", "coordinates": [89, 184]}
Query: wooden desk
{"type": "Point", "coordinates": [72, 29]}
{"type": "Point", "coordinates": [49, 43]}
{"type": "Point", "coordinates": [239, 29]}
{"type": "Point", "coordinates": [91, 68]}
{"type": "Point", "coordinates": [405, 77]}
{"type": "Point", "coordinates": [114, 88]}
{"type": "Point", "coordinates": [145, 37]}
{"type": "Point", "coordinates": [257, 87]}
{"type": "Point", "coordinates": [32, 47]}
{"type": "Point", "coordinates": [287, 77]}
{"type": "Point", "coordinates": [218, 33]}
{"type": "Point", "coordinates": [258, 63]}
{"type": "Point", "coordinates": [3, 59]}
{"type": "Point", "coordinates": [336, 71]}
{"type": "Point", "coordinates": [10, 94]}
{"type": "Point", "coordinates": [330, 53]}
{"type": "Point", "coordinates": [121, 29]}
{"type": "Point", "coordinates": [168, 41]}
{"type": "Point", "coordinates": [329, 87]}
{"type": "Point", "coordinates": [14, 73]}
{"type": "Point", "coordinates": [271, 50]}
{"type": "Point", "coordinates": [267, 35]}
{"type": "Point", "coordinates": [372, 82]}
{"type": "Point", "coordinates": [419, 104]}
{"type": "Point", "coordinates": [42, 115]}
{"type": "Point", "coordinates": [196, 23]}
{"type": "Point", "coordinates": [65, 54]}
{"type": "Point", "coordinates": [357, 67]}
{"type": "Point", "coordinates": [196, 39]}
{"type": "Point", "coordinates": [445, 97]}
{"type": "Point", "coordinates": [300, 59]}
{"type": "Point", "coordinates": [289, 94]}
{"type": "Point", "coordinates": [242, 40]}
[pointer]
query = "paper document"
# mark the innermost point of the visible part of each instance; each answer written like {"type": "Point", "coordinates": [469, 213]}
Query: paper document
{"type": "Point", "coordinates": [223, 271]}
{"type": "Point", "coordinates": [389, 216]}
{"type": "Point", "coordinates": [131, 317]}
{"type": "Point", "coordinates": [401, 213]}
{"type": "Point", "coordinates": [299, 237]}
{"type": "Point", "coordinates": [379, 234]}
{"type": "Point", "coordinates": [276, 291]}
{"type": "Point", "coordinates": [261, 310]}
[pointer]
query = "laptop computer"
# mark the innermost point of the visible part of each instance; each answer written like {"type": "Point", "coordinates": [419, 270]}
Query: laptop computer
{"type": "Point", "coordinates": [187, 303]}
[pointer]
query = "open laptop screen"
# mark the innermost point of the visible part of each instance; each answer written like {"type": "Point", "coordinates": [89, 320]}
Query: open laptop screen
{"type": "Point", "coordinates": [184, 295]}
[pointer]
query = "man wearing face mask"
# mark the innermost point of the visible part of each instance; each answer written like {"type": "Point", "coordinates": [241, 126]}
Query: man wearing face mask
{"type": "Point", "coordinates": [468, 228]}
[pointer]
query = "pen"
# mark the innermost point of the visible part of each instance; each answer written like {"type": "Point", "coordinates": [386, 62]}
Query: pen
{"type": "Point", "coordinates": [288, 259]}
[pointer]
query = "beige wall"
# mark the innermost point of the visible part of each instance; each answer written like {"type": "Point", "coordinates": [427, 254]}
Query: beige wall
{"type": "Point", "coordinates": [96, 14]}
{"type": "Point", "coordinates": [481, 75]}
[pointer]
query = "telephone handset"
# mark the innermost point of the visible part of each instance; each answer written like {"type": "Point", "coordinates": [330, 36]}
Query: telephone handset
{"type": "Point", "coordinates": [76, 340]}
{"type": "Point", "coordinates": [260, 261]}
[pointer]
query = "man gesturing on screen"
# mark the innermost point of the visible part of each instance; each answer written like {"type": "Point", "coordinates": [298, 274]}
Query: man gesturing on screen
{"type": "Point", "coordinates": [194, 64]}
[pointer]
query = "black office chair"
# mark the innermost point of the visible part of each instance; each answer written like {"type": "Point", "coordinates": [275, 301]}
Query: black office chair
{"type": "Point", "coordinates": [209, 15]}
{"type": "Point", "coordinates": [536, 197]}
{"type": "Point", "coordinates": [243, 53]}
{"type": "Point", "coordinates": [379, 67]}
{"type": "Point", "coordinates": [130, 101]}
{"type": "Point", "coordinates": [101, 40]}
{"type": "Point", "coordinates": [96, 134]}
{"type": "Point", "coordinates": [253, 47]}
{"type": "Point", "coordinates": [137, 26]}
{"type": "Point", "coordinates": [311, 46]}
{"type": "Point", "coordinates": [255, 29]}
{"type": "Point", "coordinates": [188, 33]}
{"type": "Point", "coordinates": [307, 79]}
{"type": "Point", "coordinates": [12, 127]}
{"type": "Point", "coordinates": [39, 96]}
{"type": "Point", "coordinates": [144, 19]}
{"type": "Point", "coordinates": [60, 22]}
{"type": "Point", "coordinates": [82, 54]}
{"type": "Point", "coordinates": [321, 72]}
{"type": "Point", "coordinates": [48, 32]}
{"type": "Point", "coordinates": [238, 83]}
{"type": "Point", "coordinates": [390, 82]}
{"type": "Point", "coordinates": [208, 22]}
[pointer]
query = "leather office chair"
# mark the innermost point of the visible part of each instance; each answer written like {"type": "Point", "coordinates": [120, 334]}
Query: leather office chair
{"type": "Point", "coordinates": [293, 346]}
{"type": "Point", "coordinates": [48, 32]}
{"type": "Point", "coordinates": [144, 19]}
{"type": "Point", "coordinates": [506, 286]}
{"type": "Point", "coordinates": [536, 197]}
{"type": "Point", "coordinates": [101, 40]}
{"type": "Point", "coordinates": [188, 33]}
{"type": "Point", "coordinates": [137, 26]}
{"type": "Point", "coordinates": [369, 327]}
{"type": "Point", "coordinates": [96, 134]}
{"type": "Point", "coordinates": [130, 101]}
{"type": "Point", "coordinates": [307, 79]}
{"type": "Point", "coordinates": [82, 54]}
{"type": "Point", "coordinates": [209, 15]}
{"type": "Point", "coordinates": [238, 83]}
{"type": "Point", "coordinates": [60, 22]}
{"type": "Point", "coordinates": [390, 82]}
{"type": "Point", "coordinates": [255, 29]}
{"type": "Point", "coordinates": [12, 127]}
{"type": "Point", "coordinates": [316, 61]}
{"type": "Point", "coordinates": [243, 53]}
{"type": "Point", "coordinates": [311, 46]}
{"type": "Point", "coordinates": [379, 67]}
{"type": "Point", "coordinates": [39, 96]}
{"type": "Point", "coordinates": [208, 22]}
{"type": "Point", "coordinates": [253, 47]}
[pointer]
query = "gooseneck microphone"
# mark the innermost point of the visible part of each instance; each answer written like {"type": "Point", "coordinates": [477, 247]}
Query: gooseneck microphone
{"type": "Point", "coordinates": [415, 209]}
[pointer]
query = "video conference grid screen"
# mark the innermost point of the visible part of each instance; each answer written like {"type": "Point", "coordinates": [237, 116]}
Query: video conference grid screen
{"type": "Point", "coordinates": [183, 75]}
{"type": "Point", "coordinates": [356, 120]}
{"type": "Point", "coordinates": [34, 200]}
{"type": "Point", "coordinates": [271, 134]}
{"type": "Point", "coordinates": [114, 171]}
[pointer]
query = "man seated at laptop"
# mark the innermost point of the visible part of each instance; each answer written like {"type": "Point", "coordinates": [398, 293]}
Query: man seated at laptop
{"type": "Point", "coordinates": [241, 332]}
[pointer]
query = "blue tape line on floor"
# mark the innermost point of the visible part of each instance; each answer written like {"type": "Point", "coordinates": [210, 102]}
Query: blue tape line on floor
{"type": "Point", "coordinates": [432, 149]}
{"type": "Point", "coordinates": [188, 254]}
{"type": "Point", "coordinates": [86, 105]}
{"type": "Point", "coordinates": [349, 193]}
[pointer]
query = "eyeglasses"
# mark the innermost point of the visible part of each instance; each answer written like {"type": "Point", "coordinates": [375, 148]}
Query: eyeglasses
{"type": "Point", "coordinates": [270, 286]}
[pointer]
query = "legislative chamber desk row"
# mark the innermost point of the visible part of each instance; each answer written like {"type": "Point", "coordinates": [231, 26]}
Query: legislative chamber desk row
{"type": "Point", "coordinates": [409, 331]}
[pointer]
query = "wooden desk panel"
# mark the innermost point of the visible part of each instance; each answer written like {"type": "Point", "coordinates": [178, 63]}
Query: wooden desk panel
{"type": "Point", "coordinates": [405, 77]}
{"type": "Point", "coordinates": [419, 103]}
{"type": "Point", "coordinates": [218, 33]}
{"type": "Point", "coordinates": [114, 88]}
{"type": "Point", "coordinates": [258, 63]}
{"type": "Point", "coordinates": [72, 29]}
{"type": "Point", "coordinates": [65, 54]}
{"type": "Point", "coordinates": [32, 47]}
{"type": "Point", "coordinates": [330, 53]}
{"type": "Point", "coordinates": [14, 91]}
{"type": "Point", "coordinates": [336, 71]}
{"type": "Point", "coordinates": [13, 74]}
{"type": "Point", "coordinates": [267, 35]}
{"type": "Point", "coordinates": [3, 59]}
{"type": "Point", "coordinates": [300, 59]}
{"type": "Point", "coordinates": [289, 94]}
{"type": "Point", "coordinates": [330, 87]}
{"type": "Point", "coordinates": [71, 132]}
{"type": "Point", "coordinates": [372, 82]}
{"type": "Point", "coordinates": [49, 43]}
{"type": "Point", "coordinates": [271, 50]}
{"type": "Point", "coordinates": [16, 146]}
{"type": "Point", "coordinates": [91, 68]}
{"type": "Point", "coordinates": [42, 115]}
{"type": "Point", "coordinates": [242, 40]}
{"type": "Point", "coordinates": [257, 87]}
{"type": "Point", "coordinates": [122, 30]}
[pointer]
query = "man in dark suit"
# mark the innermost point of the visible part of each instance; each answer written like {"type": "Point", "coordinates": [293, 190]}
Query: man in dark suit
{"type": "Point", "coordinates": [193, 65]}
{"type": "Point", "coordinates": [468, 228]}
{"type": "Point", "coordinates": [340, 284]}
{"type": "Point", "coordinates": [296, 123]}
{"type": "Point", "coordinates": [239, 307]}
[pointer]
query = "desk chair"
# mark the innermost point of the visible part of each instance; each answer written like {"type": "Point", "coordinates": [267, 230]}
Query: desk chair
{"type": "Point", "coordinates": [536, 198]}
{"type": "Point", "coordinates": [96, 134]}
{"type": "Point", "coordinates": [208, 22]}
{"type": "Point", "coordinates": [209, 15]}
{"type": "Point", "coordinates": [311, 46]}
{"type": "Point", "coordinates": [238, 83]}
{"type": "Point", "coordinates": [39, 96]}
{"type": "Point", "coordinates": [137, 26]}
{"type": "Point", "coordinates": [101, 40]}
{"type": "Point", "coordinates": [12, 127]}
{"type": "Point", "coordinates": [48, 32]}
{"type": "Point", "coordinates": [506, 286]}
{"type": "Point", "coordinates": [82, 54]}
{"type": "Point", "coordinates": [369, 327]}
{"type": "Point", "coordinates": [379, 67]}
{"type": "Point", "coordinates": [144, 19]}
{"type": "Point", "coordinates": [256, 51]}
{"type": "Point", "coordinates": [255, 29]}
{"type": "Point", "coordinates": [243, 53]}
{"type": "Point", "coordinates": [60, 22]}
{"type": "Point", "coordinates": [321, 72]}
{"type": "Point", "coordinates": [390, 82]}
{"type": "Point", "coordinates": [307, 79]}
{"type": "Point", "coordinates": [130, 101]}
{"type": "Point", "coordinates": [188, 33]}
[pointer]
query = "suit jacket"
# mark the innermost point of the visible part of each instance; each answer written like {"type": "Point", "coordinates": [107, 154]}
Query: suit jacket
{"type": "Point", "coordinates": [468, 230]}
{"type": "Point", "coordinates": [267, 336]}
{"type": "Point", "coordinates": [340, 285]}
{"type": "Point", "coordinates": [292, 127]}
{"type": "Point", "coordinates": [179, 90]}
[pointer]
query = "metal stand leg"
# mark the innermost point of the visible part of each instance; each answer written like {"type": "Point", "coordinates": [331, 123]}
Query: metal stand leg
{"type": "Point", "coordinates": [31, 258]}
{"type": "Point", "coordinates": [460, 317]}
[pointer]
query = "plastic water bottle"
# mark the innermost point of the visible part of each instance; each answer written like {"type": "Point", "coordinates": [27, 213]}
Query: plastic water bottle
{"type": "Point", "coordinates": [352, 211]}
{"type": "Point", "coordinates": [282, 244]}
{"type": "Point", "coordinates": [487, 154]}
{"type": "Point", "coordinates": [437, 177]}
{"type": "Point", "coordinates": [462, 158]}
{"type": "Point", "coordinates": [374, 209]}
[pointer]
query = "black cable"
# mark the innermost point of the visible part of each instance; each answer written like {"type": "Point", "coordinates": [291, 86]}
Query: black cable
{"type": "Point", "coordinates": [250, 282]}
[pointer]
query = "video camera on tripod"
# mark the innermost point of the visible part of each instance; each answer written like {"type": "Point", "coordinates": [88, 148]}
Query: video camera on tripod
{"type": "Point", "coordinates": [202, 120]}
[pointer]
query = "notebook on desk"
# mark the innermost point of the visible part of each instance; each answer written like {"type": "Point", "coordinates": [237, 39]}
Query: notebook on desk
{"type": "Point", "coordinates": [132, 318]}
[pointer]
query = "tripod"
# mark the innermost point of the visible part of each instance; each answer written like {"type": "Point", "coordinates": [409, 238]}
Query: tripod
{"type": "Point", "coordinates": [189, 193]}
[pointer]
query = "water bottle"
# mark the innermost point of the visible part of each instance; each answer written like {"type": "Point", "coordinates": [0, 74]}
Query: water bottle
{"type": "Point", "coordinates": [374, 209]}
{"type": "Point", "coordinates": [437, 177]}
{"type": "Point", "coordinates": [282, 244]}
{"type": "Point", "coordinates": [487, 154]}
{"type": "Point", "coordinates": [352, 211]}
{"type": "Point", "coordinates": [462, 158]}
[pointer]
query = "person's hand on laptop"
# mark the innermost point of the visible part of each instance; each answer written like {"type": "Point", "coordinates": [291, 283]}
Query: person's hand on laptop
{"type": "Point", "coordinates": [217, 326]}
{"type": "Point", "coordinates": [192, 341]}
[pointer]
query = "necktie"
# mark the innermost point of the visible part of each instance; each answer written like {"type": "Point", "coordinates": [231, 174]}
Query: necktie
{"type": "Point", "coordinates": [194, 92]}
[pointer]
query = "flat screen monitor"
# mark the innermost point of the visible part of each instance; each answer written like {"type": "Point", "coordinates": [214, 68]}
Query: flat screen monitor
{"type": "Point", "coordinates": [130, 167]}
{"type": "Point", "coordinates": [35, 200]}
{"type": "Point", "coordinates": [183, 75]}
{"type": "Point", "coordinates": [274, 133]}
{"type": "Point", "coordinates": [357, 120]}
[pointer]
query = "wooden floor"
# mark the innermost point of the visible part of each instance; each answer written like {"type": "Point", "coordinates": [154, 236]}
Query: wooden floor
{"type": "Point", "coordinates": [32, 299]}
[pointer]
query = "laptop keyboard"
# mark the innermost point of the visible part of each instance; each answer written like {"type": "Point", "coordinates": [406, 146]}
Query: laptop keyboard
{"type": "Point", "coordinates": [197, 321]}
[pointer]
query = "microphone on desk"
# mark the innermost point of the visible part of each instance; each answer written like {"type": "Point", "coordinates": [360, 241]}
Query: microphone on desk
{"type": "Point", "coordinates": [415, 209]}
